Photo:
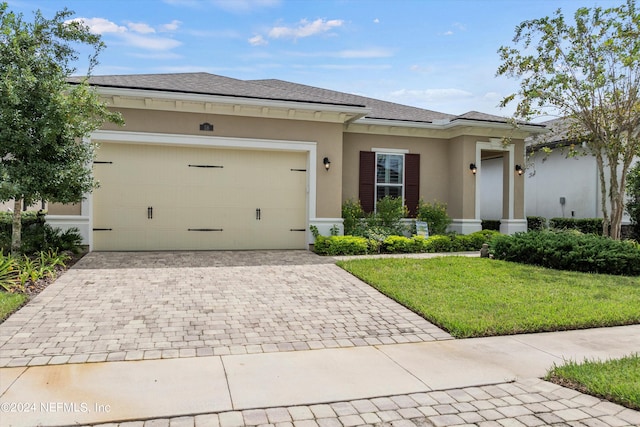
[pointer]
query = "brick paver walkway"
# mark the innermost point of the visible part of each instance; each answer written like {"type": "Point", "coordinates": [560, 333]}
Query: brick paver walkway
{"type": "Point", "coordinates": [123, 306]}
{"type": "Point", "coordinates": [526, 403]}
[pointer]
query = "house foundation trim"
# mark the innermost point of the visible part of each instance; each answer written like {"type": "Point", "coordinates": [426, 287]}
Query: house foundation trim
{"type": "Point", "coordinates": [325, 225]}
{"type": "Point", "coordinates": [465, 226]}
{"type": "Point", "coordinates": [511, 226]}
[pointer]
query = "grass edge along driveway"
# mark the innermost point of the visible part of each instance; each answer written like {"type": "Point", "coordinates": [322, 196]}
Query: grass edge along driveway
{"type": "Point", "coordinates": [477, 297]}
{"type": "Point", "coordinates": [616, 380]}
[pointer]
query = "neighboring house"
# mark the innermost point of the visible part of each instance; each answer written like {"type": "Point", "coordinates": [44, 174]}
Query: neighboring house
{"type": "Point", "coordinates": [556, 185]}
{"type": "Point", "coordinates": [210, 162]}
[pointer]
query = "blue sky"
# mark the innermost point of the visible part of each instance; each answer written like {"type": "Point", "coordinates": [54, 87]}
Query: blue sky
{"type": "Point", "coordinates": [435, 54]}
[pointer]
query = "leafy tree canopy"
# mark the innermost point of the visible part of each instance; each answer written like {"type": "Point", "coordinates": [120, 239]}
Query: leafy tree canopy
{"type": "Point", "coordinates": [587, 72]}
{"type": "Point", "coordinates": [43, 119]}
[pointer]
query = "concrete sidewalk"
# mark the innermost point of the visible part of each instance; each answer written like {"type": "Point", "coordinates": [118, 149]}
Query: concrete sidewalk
{"type": "Point", "coordinates": [456, 382]}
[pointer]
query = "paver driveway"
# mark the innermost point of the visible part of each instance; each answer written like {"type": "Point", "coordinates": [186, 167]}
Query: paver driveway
{"type": "Point", "coordinates": [149, 305]}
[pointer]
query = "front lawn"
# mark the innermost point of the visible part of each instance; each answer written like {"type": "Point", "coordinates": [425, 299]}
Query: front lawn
{"type": "Point", "coordinates": [475, 297]}
{"type": "Point", "coordinates": [9, 303]}
{"type": "Point", "coordinates": [614, 380]}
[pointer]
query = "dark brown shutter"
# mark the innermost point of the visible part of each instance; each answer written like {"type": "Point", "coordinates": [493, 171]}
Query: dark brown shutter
{"type": "Point", "coordinates": [367, 192]}
{"type": "Point", "coordinates": [412, 183]}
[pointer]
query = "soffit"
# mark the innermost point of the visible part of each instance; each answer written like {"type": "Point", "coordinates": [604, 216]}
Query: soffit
{"type": "Point", "coordinates": [223, 105]}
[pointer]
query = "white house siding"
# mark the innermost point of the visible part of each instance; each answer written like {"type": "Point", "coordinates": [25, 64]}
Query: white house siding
{"type": "Point", "coordinates": [549, 178]}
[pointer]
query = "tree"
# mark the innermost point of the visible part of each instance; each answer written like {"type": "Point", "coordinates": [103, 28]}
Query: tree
{"type": "Point", "coordinates": [588, 73]}
{"type": "Point", "coordinates": [44, 119]}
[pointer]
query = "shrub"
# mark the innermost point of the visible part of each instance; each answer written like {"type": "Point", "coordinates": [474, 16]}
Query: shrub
{"type": "Point", "coordinates": [37, 235]}
{"type": "Point", "coordinates": [536, 223]}
{"type": "Point", "coordinates": [352, 214]}
{"type": "Point", "coordinates": [386, 221]}
{"type": "Point", "coordinates": [585, 225]}
{"type": "Point", "coordinates": [435, 215]}
{"type": "Point", "coordinates": [342, 245]}
{"type": "Point", "coordinates": [491, 224]}
{"type": "Point", "coordinates": [438, 244]}
{"type": "Point", "coordinates": [8, 272]}
{"type": "Point", "coordinates": [403, 245]}
{"type": "Point", "coordinates": [389, 214]}
{"type": "Point", "coordinates": [569, 250]}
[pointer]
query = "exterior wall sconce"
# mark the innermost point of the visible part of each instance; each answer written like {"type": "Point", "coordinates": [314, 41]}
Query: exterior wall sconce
{"type": "Point", "coordinates": [519, 170]}
{"type": "Point", "coordinates": [473, 168]}
{"type": "Point", "coordinates": [327, 163]}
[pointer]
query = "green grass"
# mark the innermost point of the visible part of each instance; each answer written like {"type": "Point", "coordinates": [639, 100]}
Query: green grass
{"type": "Point", "coordinates": [615, 380]}
{"type": "Point", "coordinates": [10, 303]}
{"type": "Point", "coordinates": [475, 297]}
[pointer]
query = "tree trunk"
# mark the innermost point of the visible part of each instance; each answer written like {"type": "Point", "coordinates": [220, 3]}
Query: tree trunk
{"type": "Point", "coordinates": [603, 194]}
{"type": "Point", "coordinates": [16, 234]}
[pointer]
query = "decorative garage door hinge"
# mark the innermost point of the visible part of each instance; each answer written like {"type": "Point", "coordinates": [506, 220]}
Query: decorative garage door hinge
{"type": "Point", "coordinates": [206, 166]}
{"type": "Point", "coordinates": [204, 229]}
{"type": "Point", "coordinates": [298, 170]}
{"type": "Point", "coordinates": [103, 229]}
{"type": "Point", "coordinates": [297, 229]}
{"type": "Point", "coordinates": [98, 162]}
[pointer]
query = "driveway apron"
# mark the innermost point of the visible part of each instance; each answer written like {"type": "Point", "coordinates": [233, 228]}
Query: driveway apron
{"type": "Point", "coordinates": [115, 306]}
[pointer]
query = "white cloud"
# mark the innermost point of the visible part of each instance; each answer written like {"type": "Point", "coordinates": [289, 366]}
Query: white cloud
{"type": "Point", "coordinates": [171, 26]}
{"type": "Point", "coordinates": [448, 33]}
{"type": "Point", "coordinates": [100, 25]}
{"type": "Point", "coordinates": [376, 21]}
{"type": "Point", "coordinates": [258, 41]}
{"type": "Point", "coordinates": [140, 27]}
{"type": "Point", "coordinates": [305, 29]}
{"type": "Point", "coordinates": [136, 34]}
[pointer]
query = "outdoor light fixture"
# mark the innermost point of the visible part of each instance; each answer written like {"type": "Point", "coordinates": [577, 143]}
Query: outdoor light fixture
{"type": "Point", "coordinates": [327, 163]}
{"type": "Point", "coordinates": [473, 168]}
{"type": "Point", "coordinates": [519, 169]}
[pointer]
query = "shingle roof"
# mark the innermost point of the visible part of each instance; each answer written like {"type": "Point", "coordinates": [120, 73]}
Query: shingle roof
{"type": "Point", "coordinates": [476, 115]}
{"type": "Point", "coordinates": [205, 84]}
{"type": "Point", "coordinates": [379, 109]}
{"type": "Point", "coordinates": [272, 89]}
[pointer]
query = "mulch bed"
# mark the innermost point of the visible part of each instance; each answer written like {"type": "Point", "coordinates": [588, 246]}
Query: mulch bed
{"type": "Point", "coordinates": [33, 289]}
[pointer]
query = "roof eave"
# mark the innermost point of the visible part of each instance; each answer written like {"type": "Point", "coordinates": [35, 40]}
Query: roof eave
{"type": "Point", "coordinates": [354, 112]}
{"type": "Point", "coordinates": [449, 124]}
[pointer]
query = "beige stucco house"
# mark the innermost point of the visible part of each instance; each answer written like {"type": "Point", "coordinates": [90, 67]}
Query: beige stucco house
{"type": "Point", "coordinates": [210, 162]}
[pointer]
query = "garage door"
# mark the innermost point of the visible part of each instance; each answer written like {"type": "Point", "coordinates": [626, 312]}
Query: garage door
{"type": "Point", "coordinates": [178, 198]}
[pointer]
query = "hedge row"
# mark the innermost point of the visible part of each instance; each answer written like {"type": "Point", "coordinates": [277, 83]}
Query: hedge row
{"type": "Point", "coordinates": [569, 250]}
{"type": "Point", "coordinates": [353, 245]}
{"type": "Point", "coordinates": [584, 225]}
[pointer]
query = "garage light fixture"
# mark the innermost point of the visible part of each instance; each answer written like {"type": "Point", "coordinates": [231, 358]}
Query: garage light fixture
{"type": "Point", "coordinates": [473, 168]}
{"type": "Point", "coordinates": [327, 163]}
{"type": "Point", "coordinates": [519, 170]}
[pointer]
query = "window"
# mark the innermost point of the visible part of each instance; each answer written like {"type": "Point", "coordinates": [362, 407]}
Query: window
{"type": "Point", "coordinates": [389, 175]}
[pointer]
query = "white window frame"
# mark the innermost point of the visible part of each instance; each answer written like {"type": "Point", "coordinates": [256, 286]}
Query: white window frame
{"type": "Point", "coordinates": [400, 153]}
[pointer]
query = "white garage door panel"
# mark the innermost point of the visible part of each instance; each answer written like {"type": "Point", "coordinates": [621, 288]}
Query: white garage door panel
{"type": "Point", "coordinates": [198, 198]}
